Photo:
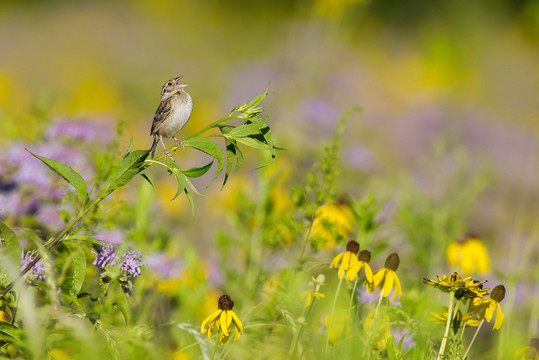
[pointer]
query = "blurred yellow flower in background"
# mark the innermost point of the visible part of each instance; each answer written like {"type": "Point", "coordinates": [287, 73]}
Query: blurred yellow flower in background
{"type": "Point", "coordinates": [332, 221]}
{"type": "Point", "coordinates": [378, 331]}
{"type": "Point", "coordinates": [530, 352]}
{"type": "Point", "coordinates": [339, 322]}
{"type": "Point", "coordinates": [469, 254]}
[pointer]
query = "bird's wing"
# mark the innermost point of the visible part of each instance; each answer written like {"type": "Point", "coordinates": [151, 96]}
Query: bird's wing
{"type": "Point", "coordinates": [163, 112]}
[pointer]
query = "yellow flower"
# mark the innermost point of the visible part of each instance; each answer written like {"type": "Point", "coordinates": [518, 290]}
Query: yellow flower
{"type": "Point", "coordinates": [337, 217]}
{"type": "Point", "coordinates": [346, 259]}
{"type": "Point", "coordinates": [469, 319]}
{"type": "Point", "coordinates": [486, 307]}
{"type": "Point", "coordinates": [339, 323]}
{"type": "Point", "coordinates": [223, 319]}
{"type": "Point", "coordinates": [530, 352]}
{"type": "Point", "coordinates": [378, 331]}
{"type": "Point", "coordinates": [463, 288]}
{"type": "Point", "coordinates": [312, 290]}
{"type": "Point", "coordinates": [364, 257]}
{"type": "Point", "coordinates": [388, 278]}
{"type": "Point", "coordinates": [469, 254]}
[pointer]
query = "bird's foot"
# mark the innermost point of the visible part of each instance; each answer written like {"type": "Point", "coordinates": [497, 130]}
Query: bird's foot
{"type": "Point", "coordinates": [178, 142]}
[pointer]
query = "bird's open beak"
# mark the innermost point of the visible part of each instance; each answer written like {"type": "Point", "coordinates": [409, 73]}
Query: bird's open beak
{"type": "Point", "coordinates": [178, 79]}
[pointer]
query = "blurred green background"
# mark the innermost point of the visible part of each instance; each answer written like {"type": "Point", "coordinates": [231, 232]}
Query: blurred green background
{"type": "Point", "coordinates": [449, 91]}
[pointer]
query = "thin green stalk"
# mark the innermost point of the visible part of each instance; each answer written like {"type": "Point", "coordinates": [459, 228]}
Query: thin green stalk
{"type": "Point", "coordinates": [213, 124]}
{"type": "Point", "coordinates": [305, 314]}
{"type": "Point", "coordinates": [379, 302]}
{"type": "Point", "coordinates": [447, 324]}
{"type": "Point", "coordinates": [473, 339]}
{"type": "Point", "coordinates": [330, 321]}
{"type": "Point", "coordinates": [352, 300]}
{"type": "Point", "coordinates": [216, 343]}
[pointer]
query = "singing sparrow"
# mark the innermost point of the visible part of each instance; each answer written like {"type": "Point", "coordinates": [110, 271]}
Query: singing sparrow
{"type": "Point", "coordinates": [172, 114]}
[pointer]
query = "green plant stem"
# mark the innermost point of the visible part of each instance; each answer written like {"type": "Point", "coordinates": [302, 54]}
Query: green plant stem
{"type": "Point", "coordinates": [330, 321]}
{"type": "Point", "coordinates": [352, 300]}
{"type": "Point", "coordinates": [305, 314]}
{"type": "Point", "coordinates": [473, 339]}
{"type": "Point", "coordinates": [447, 324]}
{"type": "Point", "coordinates": [54, 240]}
{"type": "Point", "coordinates": [213, 124]}
{"type": "Point", "coordinates": [379, 302]}
{"type": "Point", "coordinates": [215, 346]}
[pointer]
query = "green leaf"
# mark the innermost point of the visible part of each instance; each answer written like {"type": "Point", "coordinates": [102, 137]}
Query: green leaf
{"type": "Point", "coordinates": [122, 310]}
{"type": "Point", "coordinates": [230, 156]}
{"type": "Point", "coordinates": [9, 244]}
{"type": "Point", "coordinates": [85, 238]}
{"type": "Point", "coordinates": [191, 202]}
{"type": "Point", "coordinates": [210, 148]}
{"type": "Point", "coordinates": [249, 141]}
{"type": "Point", "coordinates": [193, 187]}
{"type": "Point", "coordinates": [181, 180]}
{"type": "Point", "coordinates": [79, 266]}
{"type": "Point", "coordinates": [125, 170]}
{"type": "Point", "coordinates": [130, 146]}
{"type": "Point", "coordinates": [248, 128]}
{"type": "Point", "coordinates": [197, 171]}
{"type": "Point", "coordinates": [67, 173]}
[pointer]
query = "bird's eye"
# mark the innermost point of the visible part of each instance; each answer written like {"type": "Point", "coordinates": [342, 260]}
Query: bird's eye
{"type": "Point", "coordinates": [169, 83]}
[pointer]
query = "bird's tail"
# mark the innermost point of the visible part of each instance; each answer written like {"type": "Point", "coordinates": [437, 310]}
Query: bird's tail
{"type": "Point", "coordinates": [153, 147]}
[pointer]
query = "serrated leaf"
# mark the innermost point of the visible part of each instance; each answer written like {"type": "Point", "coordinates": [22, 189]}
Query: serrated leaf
{"type": "Point", "coordinates": [67, 173]}
{"type": "Point", "coordinates": [125, 170]}
{"type": "Point", "coordinates": [79, 266]}
{"type": "Point", "coordinates": [9, 244]}
{"type": "Point", "coordinates": [209, 147]}
{"type": "Point", "coordinates": [195, 172]}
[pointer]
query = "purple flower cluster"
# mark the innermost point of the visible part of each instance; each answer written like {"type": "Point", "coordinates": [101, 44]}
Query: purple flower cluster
{"type": "Point", "coordinates": [164, 265]}
{"type": "Point", "coordinates": [28, 187]}
{"type": "Point", "coordinates": [38, 270]}
{"type": "Point", "coordinates": [131, 263]}
{"type": "Point", "coordinates": [105, 257]}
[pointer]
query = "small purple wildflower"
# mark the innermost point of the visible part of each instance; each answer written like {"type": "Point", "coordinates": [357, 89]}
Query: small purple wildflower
{"type": "Point", "coordinates": [38, 270]}
{"type": "Point", "coordinates": [48, 215]}
{"type": "Point", "coordinates": [105, 257]}
{"type": "Point", "coordinates": [131, 263]}
{"type": "Point", "coordinates": [407, 343]}
{"type": "Point", "coordinates": [319, 112]}
{"type": "Point", "coordinates": [78, 130]}
{"type": "Point", "coordinates": [110, 237]}
{"type": "Point", "coordinates": [164, 265]}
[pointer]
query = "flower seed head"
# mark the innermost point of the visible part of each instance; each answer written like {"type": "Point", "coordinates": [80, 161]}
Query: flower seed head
{"type": "Point", "coordinates": [320, 278]}
{"type": "Point", "coordinates": [352, 246]}
{"type": "Point", "coordinates": [364, 255]}
{"type": "Point", "coordinates": [498, 293]}
{"type": "Point", "coordinates": [392, 262]}
{"type": "Point", "coordinates": [225, 303]}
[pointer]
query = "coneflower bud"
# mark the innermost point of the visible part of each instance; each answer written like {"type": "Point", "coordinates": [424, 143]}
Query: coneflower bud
{"type": "Point", "coordinates": [364, 255]}
{"type": "Point", "coordinates": [498, 293]}
{"type": "Point", "coordinates": [392, 262]}
{"type": "Point", "coordinates": [352, 246]}
{"type": "Point", "coordinates": [225, 303]}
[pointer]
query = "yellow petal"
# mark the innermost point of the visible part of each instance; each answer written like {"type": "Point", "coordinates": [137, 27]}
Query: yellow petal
{"type": "Point", "coordinates": [309, 299]}
{"type": "Point", "coordinates": [388, 282]}
{"type": "Point", "coordinates": [368, 272]}
{"type": "Point", "coordinates": [224, 323]}
{"type": "Point", "coordinates": [398, 288]}
{"type": "Point", "coordinates": [499, 318]}
{"type": "Point", "coordinates": [209, 319]}
{"type": "Point", "coordinates": [352, 272]}
{"type": "Point", "coordinates": [336, 260]}
{"type": "Point", "coordinates": [489, 310]}
{"type": "Point", "coordinates": [237, 322]}
{"type": "Point", "coordinates": [378, 276]}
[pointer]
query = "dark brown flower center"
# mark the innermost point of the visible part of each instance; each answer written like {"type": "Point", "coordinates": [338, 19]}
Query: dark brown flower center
{"type": "Point", "coordinates": [352, 246]}
{"type": "Point", "coordinates": [364, 255]}
{"type": "Point", "coordinates": [392, 262]}
{"type": "Point", "coordinates": [225, 303]}
{"type": "Point", "coordinates": [498, 293]}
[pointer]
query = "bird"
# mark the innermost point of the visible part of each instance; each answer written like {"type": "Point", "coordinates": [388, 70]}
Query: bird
{"type": "Point", "coordinates": [172, 114]}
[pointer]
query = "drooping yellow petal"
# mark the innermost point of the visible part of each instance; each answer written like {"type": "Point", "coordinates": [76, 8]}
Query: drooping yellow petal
{"type": "Point", "coordinates": [378, 276]}
{"type": "Point", "coordinates": [398, 288]}
{"type": "Point", "coordinates": [336, 260]}
{"type": "Point", "coordinates": [499, 317]}
{"type": "Point", "coordinates": [237, 322]}
{"type": "Point", "coordinates": [388, 282]}
{"type": "Point", "coordinates": [224, 323]}
{"type": "Point", "coordinates": [489, 309]}
{"type": "Point", "coordinates": [210, 319]}
{"type": "Point", "coordinates": [368, 272]}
